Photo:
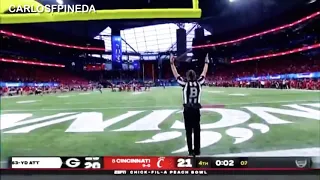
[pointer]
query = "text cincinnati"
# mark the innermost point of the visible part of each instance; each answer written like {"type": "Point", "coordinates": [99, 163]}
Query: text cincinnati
{"type": "Point", "coordinates": [131, 161]}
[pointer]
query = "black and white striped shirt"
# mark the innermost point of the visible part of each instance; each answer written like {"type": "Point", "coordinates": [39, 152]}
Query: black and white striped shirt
{"type": "Point", "coordinates": [191, 91]}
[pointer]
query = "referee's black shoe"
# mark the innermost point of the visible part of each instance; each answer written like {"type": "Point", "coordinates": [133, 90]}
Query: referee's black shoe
{"type": "Point", "coordinates": [196, 152]}
{"type": "Point", "coordinates": [191, 153]}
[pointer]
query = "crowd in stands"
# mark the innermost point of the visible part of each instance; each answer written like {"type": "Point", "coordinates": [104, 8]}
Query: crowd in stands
{"type": "Point", "coordinates": [307, 84]}
{"type": "Point", "coordinates": [226, 75]}
{"type": "Point", "coordinates": [20, 73]}
{"type": "Point", "coordinates": [27, 73]}
{"type": "Point", "coordinates": [41, 90]}
{"type": "Point", "coordinates": [275, 66]}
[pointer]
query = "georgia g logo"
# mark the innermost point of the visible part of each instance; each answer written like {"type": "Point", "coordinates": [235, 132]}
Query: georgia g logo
{"type": "Point", "coordinates": [73, 162]}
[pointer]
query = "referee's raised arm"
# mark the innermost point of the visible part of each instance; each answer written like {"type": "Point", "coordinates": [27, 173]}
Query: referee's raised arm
{"type": "Point", "coordinates": [179, 79]}
{"type": "Point", "coordinates": [202, 77]}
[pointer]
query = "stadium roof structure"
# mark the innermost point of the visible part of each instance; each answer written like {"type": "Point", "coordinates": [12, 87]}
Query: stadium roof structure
{"type": "Point", "coordinates": [150, 39]}
{"type": "Point", "coordinates": [219, 15]}
{"type": "Point", "coordinates": [226, 21]}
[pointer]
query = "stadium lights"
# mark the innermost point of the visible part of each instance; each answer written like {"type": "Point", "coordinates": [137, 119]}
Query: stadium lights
{"type": "Point", "coordinates": [278, 54]}
{"type": "Point", "coordinates": [312, 1]}
{"type": "Point", "coordinates": [60, 2]}
{"type": "Point", "coordinates": [30, 62]}
{"type": "Point", "coordinates": [200, 46]}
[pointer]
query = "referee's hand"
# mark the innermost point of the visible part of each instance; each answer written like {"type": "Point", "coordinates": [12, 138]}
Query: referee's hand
{"type": "Point", "coordinates": [171, 58]}
{"type": "Point", "coordinates": [206, 60]}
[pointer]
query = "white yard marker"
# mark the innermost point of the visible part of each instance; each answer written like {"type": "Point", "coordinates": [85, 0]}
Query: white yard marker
{"type": "Point", "coordinates": [215, 92]}
{"type": "Point", "coordinates": [65, 96]}
{"type": "Point", "coordinates": [78, 102]}
{"type": "Point", "coordinates": [25, 102]}
{"type": "Point", "coordinates": [137, 93]}
{"type": "Point", "coordinates": [272, 89]}
{"type": "Point", "coordinates": [8, 97]}
{"type": "Point", "coordinates": [84, 93]}
{"type": "Point", "coordinates": [237, 94]}
{"type": "Point", "coordinates": [304, 90]}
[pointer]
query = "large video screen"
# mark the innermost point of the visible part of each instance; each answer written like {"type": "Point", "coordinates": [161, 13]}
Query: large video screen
{"type": "Point", "coordinates": [108, 65]}
{"type": "Point", "coordinates": [116, 51]}
{"type": "Point", "coordinates": [130, 65]}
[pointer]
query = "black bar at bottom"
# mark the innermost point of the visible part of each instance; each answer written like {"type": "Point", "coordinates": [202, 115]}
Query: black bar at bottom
{"type": "Point", "coordinates": [161, 172]}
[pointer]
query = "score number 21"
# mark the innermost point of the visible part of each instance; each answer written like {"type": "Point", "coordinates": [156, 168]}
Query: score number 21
{"type": "Point", "coordinates": [184, 162]}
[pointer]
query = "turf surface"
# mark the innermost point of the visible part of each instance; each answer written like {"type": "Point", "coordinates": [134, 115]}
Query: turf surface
{"type": "Point", "coordinates": [54, 141]}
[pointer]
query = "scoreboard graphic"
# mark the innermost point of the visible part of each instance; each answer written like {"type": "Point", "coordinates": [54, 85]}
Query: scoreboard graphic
{"type": "Point", "coordinates": [153, 165]}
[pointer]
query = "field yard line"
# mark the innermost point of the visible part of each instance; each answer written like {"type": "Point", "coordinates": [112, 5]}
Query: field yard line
{"type": "Point", "coordinates": [121, 101]}
{"type": "Point", "coordinates": [28, 101]}
{"type": "Point", "coordinates": [271, 89]}
{"type": "Point", "coordinates": [148, 107]}
{"type": "Point", "coordinates": [70, 103]}
{"type": "Point", "coordinates": [8, 97]}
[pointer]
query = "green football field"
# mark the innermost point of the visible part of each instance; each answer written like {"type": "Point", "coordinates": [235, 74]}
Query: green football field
{"type": "Point", "coordinates": [150, 123]}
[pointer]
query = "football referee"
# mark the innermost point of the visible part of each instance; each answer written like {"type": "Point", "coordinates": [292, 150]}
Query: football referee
{"type": "Point", "coordinates": [191, 103]}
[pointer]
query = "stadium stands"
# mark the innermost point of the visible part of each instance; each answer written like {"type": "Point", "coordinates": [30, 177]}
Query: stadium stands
{"type": "Point", "coordinates": [22, 73]}
{"type": "Point", "coordinates": [302, 33]}
{"type": "Point", "coordinates": [274, 66]}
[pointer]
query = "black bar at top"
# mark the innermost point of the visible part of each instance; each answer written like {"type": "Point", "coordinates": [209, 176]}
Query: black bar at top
{"type": "Point", "coordinates": [279, 162]}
